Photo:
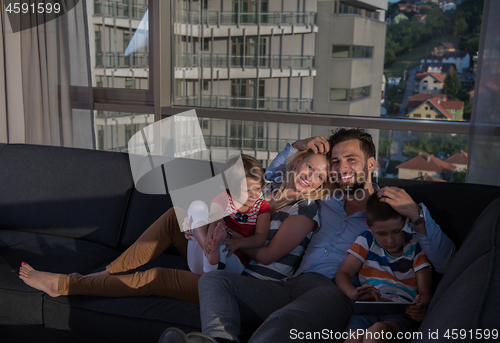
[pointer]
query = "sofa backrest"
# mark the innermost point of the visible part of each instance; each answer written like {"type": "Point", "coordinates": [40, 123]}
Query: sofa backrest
{"type": "Point", "coordinates": [146, 208]}
{"type": "Point", "coordinates": [454, 206]}
{"type": "Point", "coordinates": [468, 296]}
{"type": "Point", "coordinates": [66, 192]}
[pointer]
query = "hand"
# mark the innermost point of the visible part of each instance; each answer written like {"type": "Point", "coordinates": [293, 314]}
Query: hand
{"type": "Point", "coordinates": [365, 292]}
{"type": "Point", "coordinates": [188, 235]}
{"type": "Point", "coordinates": [400, 201]}
{"type": "Point", "coordinates": [318, 144]}
{"type": "Point", "coordinates": [231, 245]}
{"type": "Point", "coordinates": [417, 312]}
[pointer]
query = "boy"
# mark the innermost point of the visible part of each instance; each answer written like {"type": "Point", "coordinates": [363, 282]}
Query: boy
{"type": "Point", "coordinates": [390, 267]}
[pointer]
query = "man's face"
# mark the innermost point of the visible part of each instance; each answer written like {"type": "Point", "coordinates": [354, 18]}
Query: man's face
{"type": "Point", "coordinates": [350, 169]}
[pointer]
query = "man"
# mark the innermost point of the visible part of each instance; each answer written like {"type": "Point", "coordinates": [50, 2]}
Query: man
{"type": "Point", "coordinates": [309, 305]}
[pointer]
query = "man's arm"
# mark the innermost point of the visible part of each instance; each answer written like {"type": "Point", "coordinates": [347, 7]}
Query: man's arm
{"type": "Point", "coordinates": [438, 247]}
{"type": "Point", "coordinates": [318, 144]}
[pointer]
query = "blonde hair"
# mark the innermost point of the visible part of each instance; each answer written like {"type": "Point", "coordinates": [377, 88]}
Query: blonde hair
{"type": "Point", "coordinates": [319, 193]}
{"type": "Point", "coordinates": [233, 177]}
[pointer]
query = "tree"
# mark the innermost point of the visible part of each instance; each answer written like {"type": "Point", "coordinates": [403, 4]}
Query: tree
{"type": "Point", "coordinates": [459, 176]}
{"type": "Point", "coordinates": [460, 27]}
{"type": "Point", "coordinates": [452, 86]}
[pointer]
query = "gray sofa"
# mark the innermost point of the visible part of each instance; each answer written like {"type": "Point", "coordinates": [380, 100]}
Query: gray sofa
{"type": "Point", "coordinates": [72, 210]}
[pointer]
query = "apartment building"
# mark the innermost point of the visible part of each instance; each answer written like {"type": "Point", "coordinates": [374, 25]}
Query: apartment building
{"type": "Point", "coordinates": [302, 56]}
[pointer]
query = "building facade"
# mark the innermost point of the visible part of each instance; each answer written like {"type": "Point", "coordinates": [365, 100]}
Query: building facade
{"type": "Point", "coordinates": [270, 55]}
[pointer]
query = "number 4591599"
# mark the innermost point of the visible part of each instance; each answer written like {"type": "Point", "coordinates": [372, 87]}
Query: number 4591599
{"type": "Point", "coordinates": [471, 334]}
{"type": "Point", "coordinates": [40, 8]}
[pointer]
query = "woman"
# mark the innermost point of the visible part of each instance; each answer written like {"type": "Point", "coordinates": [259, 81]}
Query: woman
{"type": "Point", "coordinates": [294, 213]}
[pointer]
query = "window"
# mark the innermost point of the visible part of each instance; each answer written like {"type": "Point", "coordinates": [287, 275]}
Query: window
{"type": "Point", "coordinates": [205, 45]}
{"type": "Point", "coordinates": [428, 116]}
{"type": "Point", "coordinates": [417, 115]}
{"type": "Point", "coordinates": [338, 94]}
{"type": "Point", "coordinates": [129, 83]}
{"type": "Point", "coordinates": [341, 51]}
{"type": "Point", "coordinates": [355, 51]}
{"type": "Point", "coordinates": [205, 84]}
{"type": "Point", "coordinates": [362, 52]}
{"type": "Point", "coordinates": [349, 94]}
{"type": "Point", "coordinates": [359, 93]}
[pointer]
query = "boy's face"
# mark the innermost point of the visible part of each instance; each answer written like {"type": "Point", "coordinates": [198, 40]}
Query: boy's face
{"type": "Point", "coordinates": [389, 235]}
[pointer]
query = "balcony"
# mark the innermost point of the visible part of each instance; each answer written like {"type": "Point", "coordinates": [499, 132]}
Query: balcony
{"type": "Point", "coordinates": [113, 9]}
{"type": "Point", "coordinates": [119, 60]}
{"type": "Point", "coordinates": [274, 104]}
{"type": "Point", "coordinates": [218, 18]}
{"type": "Point", "coordinates": [225, 61]}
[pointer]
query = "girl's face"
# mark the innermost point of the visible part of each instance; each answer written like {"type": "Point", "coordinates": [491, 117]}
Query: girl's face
{"type": "Point", "coordinates": [310, 173]}
{"type": "Point", "coordinates": [251, 191]}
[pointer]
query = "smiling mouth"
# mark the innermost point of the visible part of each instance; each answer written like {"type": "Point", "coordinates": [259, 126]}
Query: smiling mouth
{"type": "Point", "coordinates": [303, 182]}
{"type": "Point", "coordinates": [346, 178]}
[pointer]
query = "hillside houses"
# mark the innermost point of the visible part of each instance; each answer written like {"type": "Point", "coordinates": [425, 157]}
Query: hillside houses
{"type": "Point", "coordinates": [438, 109]}
{"type": "Point", "coordinates": [461, 59]}
{"type": "Point", "coordinates": [431, 83]}
{"type": "Point", "coordinates": [425, 165]}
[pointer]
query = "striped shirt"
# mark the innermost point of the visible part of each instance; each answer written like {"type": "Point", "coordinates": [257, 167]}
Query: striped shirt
{"type": "Point", "coordinates": [394, 277]}
{"type": "Point", "coordinates": [285, 266]}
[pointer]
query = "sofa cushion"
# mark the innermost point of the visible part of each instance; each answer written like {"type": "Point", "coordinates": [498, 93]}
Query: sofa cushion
{"type": "Point", "coordinates": [47, 253]}
{"type": "Point", "coordinates": [66, 192]}
{"type": "Point", "coordinates": [468, 296]}
{"type": "Point", "coordinates": [139, 319]}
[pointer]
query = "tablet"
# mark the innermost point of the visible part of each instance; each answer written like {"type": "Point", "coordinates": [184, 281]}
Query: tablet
{"type": "Point", "coordinates": [380, 307]}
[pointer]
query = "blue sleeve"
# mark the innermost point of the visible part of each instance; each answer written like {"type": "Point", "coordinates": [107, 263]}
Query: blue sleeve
{"type": "Point", "coordinates": [438, 247]}
{"type": "Point", "coordinates": [276, 169]}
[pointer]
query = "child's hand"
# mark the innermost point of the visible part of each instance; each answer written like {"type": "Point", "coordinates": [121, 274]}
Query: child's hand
{"type": "Point", "coordinates": [188, 233]}
{"type": "Point", "coordinates": [365, 292]}
{"type": "Point", "coordinates": [417, 312]}
{"type": "Point", "coordinates": [231, 245]}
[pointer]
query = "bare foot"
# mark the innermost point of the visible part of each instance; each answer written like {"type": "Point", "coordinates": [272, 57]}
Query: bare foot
{"type": "Point", "coordinates": [217, 238]}
{"type": "Point", "coordinates": [43, 281]}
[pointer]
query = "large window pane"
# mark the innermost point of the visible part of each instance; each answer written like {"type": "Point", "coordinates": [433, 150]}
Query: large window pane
{"type": "Point", "coordinates": [119, 29]}
{"type": "Point", "coordinates": [376, 54]}
{"type": "Point", "coordinates": [114, 129]}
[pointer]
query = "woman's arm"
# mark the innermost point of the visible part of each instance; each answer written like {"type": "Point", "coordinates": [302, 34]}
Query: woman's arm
{"type": "Point", "coordinates": [255, 241]}
{"type": "Point", "coordinates": [292, 231]}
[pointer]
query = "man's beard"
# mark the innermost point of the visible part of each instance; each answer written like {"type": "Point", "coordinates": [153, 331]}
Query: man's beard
{"type": "Point", "coordinates": [359, 182]}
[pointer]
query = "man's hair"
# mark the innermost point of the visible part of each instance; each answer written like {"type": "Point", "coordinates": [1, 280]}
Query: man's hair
{"type": "Point", "coordinates": [234, 177]}
{"type": "Point", "coordinates": [365, 140]}
{"type": "Point", "coordinates": [377, 211]}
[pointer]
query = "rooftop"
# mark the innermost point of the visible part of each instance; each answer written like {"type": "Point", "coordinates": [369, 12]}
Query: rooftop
{"type": "Point", "coordinates": [427, 162]}
{"type": "Point", "coordinates": [458, 158]}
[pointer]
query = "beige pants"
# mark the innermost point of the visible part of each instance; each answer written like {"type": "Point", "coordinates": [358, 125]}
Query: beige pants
{"type": "Point", "coordinates": [172, 283]}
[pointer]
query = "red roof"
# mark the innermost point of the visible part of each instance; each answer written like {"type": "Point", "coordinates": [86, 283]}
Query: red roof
{"type": "Point", "coordinates": [424, 96]}
{"type": "Point", "coordinates": [438, 76]}
{"type": "Point", "coordinates": [420, 76]}
{"type": "Point", "coordinates": [458, 158]}
{"type": "Point", "coordinates": [452, 105]}
{"type": "Point", "coordinates": [427, 162]}
{"type": "Point", "coordinates": [437, 104]}
{"type": "Point", "coordinates": [447, 45]}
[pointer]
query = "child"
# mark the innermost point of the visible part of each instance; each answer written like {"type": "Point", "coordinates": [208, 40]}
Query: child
{"type": "Point", "coordinates": [244, 212]}
{"type": "Point", "coordinates": [390, 268]}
